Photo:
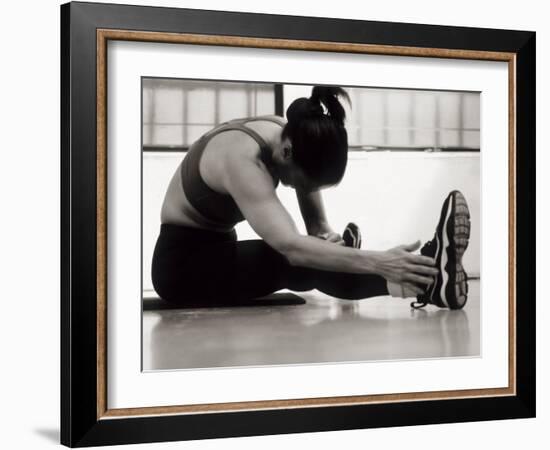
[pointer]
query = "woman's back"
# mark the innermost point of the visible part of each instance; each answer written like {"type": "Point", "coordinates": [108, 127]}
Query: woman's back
{"type": "Point", "coordinates": [196, 196]}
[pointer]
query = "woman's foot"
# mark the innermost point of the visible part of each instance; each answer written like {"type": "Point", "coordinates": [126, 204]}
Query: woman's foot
{"type": "Point", "coordinates": [450, 289]}
{"type": "Point", "coordinates": [352, 235]}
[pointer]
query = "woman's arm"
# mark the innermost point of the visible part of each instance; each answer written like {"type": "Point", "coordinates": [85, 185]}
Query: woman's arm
{"type": "Point", "coordinates": [252, 189]}
{"type": "Point", "coordinates": [315, 219]}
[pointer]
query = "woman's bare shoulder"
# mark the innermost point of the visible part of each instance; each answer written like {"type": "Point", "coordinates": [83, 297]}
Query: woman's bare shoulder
{"type": "Point", "coordinates": [246, 157]}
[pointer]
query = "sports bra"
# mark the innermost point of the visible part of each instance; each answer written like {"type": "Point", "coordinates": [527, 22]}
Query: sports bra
{"type": "Point", "coordinates": [218, 208]}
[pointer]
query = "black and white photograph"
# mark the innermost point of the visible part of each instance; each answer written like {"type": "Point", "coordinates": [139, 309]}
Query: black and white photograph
{"type": "Point", "coordinates": [287, 224]}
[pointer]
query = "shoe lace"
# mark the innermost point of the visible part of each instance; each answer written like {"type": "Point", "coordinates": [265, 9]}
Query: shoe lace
{"type": "Point", "coordinates": [418, 304]}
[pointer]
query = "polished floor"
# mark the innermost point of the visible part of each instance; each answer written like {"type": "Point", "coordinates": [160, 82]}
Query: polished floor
{"type": "Point", "coordinates": [320, 330]}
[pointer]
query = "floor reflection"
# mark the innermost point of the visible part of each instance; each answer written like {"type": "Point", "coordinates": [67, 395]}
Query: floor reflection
{"type": "Point", "coordinates": [323, 330]}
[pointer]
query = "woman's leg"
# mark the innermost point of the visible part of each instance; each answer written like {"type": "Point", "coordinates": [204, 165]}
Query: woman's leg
{"type": "Point", "coordinates": [191, 268]}
{"type": "Point", "coordinates": [260, 270]}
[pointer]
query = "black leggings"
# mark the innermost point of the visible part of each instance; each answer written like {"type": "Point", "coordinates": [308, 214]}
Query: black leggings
{"type": "Point", "coordinates": [194, 266]}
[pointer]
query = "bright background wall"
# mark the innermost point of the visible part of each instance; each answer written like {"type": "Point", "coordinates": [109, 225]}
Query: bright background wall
{"type": "Point", "coordinates": [29, 238]}
{"type": "Point", "coordinates": [395, 197]}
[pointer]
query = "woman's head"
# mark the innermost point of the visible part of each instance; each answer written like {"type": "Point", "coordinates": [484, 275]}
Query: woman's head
{"type": "Point", "coordinates": [316, 136]}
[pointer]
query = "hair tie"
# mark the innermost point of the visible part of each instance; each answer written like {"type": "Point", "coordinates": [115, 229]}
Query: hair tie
{"type": "Point", "coordinates": [316, 109]}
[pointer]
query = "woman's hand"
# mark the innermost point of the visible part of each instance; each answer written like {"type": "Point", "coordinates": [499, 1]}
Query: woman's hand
{"type": "Point", "coordinates": [401, 266]}
{"type": "Point", "coordinates": [330, 236]}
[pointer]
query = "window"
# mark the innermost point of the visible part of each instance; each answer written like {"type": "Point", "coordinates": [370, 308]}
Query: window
{"type": "Point", "coordinates": [177, 112]}
{"type": "Point", "coordinates": [397, 119]}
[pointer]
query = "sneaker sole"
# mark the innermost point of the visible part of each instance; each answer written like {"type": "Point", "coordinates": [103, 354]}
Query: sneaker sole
{"type": "Point", "coordinates": [456, 240]}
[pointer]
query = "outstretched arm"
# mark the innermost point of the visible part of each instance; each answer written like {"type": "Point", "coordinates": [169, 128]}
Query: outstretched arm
{"type": "Point", "coordinates": [252, 189]}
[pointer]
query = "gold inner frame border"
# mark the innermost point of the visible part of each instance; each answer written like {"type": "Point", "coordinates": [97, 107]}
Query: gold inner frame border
{"type": "Point", "coordinates": [103, 36]}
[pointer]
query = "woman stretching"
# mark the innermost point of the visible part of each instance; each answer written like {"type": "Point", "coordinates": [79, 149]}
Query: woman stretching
{"type": "Point", "coordinates": [230, 174]}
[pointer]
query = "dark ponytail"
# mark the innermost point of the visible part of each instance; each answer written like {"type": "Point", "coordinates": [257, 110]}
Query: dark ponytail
{"type": "Point", "coordinates": [316, 131]}
{"type": "Point", "coordinates": [328, 96]}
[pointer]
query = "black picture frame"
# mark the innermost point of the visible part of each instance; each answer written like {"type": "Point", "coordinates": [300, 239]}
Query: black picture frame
{"type": "Point", "coordinates": [81, 422]}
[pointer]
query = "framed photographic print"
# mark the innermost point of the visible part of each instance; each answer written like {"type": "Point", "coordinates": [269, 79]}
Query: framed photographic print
{"type": "Point", "coordinates": [280, 224]}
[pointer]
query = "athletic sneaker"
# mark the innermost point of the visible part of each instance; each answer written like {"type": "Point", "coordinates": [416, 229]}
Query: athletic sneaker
{"type": "Point", "coordinates": [450, 289]}
{"type": "Point", "coordinates": [352, 236]}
